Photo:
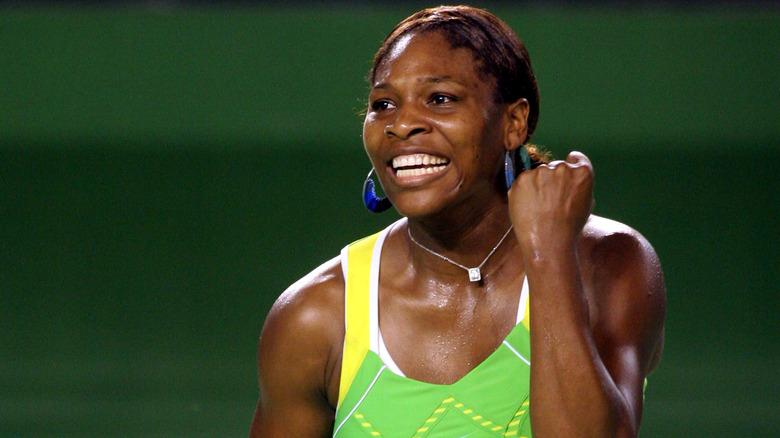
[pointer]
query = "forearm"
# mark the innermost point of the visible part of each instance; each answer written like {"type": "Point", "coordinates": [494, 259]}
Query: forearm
{"type": "Point", "coordinates": [572, 393]}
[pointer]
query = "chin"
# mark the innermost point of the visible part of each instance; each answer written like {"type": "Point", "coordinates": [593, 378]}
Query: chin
{"type": "Point", "coordinates": [417, 206]}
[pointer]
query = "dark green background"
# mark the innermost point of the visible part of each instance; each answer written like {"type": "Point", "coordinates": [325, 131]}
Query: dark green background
{"type": "Point", "coordinates": [166, 172]}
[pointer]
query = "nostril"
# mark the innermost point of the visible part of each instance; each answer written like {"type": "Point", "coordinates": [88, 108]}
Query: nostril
{"type": "Point", "coordinates": [402, 133]}
{"type": "Point", "coordinates": [405, 124]}
{"type": "Point", "coordinates": [416, 131]}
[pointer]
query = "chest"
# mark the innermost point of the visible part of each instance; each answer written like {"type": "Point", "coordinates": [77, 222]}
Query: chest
{"type": "Point", "coordinates": [441, 339]}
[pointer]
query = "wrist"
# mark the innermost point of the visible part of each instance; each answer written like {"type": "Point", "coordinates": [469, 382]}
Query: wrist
{"type": "Point", "coordinates": [538, 247]}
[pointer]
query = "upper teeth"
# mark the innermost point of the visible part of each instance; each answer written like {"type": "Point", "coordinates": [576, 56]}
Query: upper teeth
{"type": "Point", "coordinates": [417, 171]}
{"type": "Point", "coordinates": [417, 160]}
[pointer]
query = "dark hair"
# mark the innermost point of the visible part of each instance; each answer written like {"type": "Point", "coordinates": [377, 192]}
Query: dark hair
{"type": "Point", "coordinates": [499, 51]}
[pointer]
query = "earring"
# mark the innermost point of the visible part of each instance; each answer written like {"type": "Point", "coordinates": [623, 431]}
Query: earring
{"type": "Point", "coordinates": [373, 202]}
{"type": "Point", "coordinates": [509, 169]}
{"type": "Point", "coordinates": [525, 157]}
{"type": "Point", "coordinates": [509, 164]}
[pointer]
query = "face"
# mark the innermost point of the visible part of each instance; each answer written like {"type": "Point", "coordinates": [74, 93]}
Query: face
{"type": "Point", "coordinates": [434, 131]}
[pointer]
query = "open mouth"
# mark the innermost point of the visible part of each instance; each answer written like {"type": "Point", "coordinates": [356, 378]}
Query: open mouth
{"type": "Point", "coordinates": [418, 164]}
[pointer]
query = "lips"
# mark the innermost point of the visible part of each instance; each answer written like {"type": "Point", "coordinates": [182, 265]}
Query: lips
{"type": "Point", "coordinates": [418, 164]}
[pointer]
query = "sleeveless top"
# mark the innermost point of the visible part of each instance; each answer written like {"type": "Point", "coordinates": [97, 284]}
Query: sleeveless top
{"type": "Point", "coordinates": [375, 401]}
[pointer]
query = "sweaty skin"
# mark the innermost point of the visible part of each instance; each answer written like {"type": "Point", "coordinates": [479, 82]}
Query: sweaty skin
{"type": "Point", "coordinates": [597, 305]}
{"type": "Point", "coordinates": [597, 296]}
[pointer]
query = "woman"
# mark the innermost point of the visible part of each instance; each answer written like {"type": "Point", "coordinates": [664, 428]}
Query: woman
{"type": "Point", "coordinates": [485, 310]}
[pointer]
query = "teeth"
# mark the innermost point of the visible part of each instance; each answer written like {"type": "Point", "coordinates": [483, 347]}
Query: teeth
{"type": "Point", "coordinates": [417, 160]}
{"type": "Point", "coordinates": [401, 173]}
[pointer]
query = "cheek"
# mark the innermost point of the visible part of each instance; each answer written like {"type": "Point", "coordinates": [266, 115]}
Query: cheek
{"type": "Point", "coordinates": [483, 142]}
{"type": "Point", "coordinates": [471, 135]}
{"type": "Point", "coordinates": [372, 137]}
{"type": "Point", "coordinates": [369, 132]}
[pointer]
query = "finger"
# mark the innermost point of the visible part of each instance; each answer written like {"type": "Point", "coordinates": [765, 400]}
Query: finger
{"type": "Point", "coordinates": [577, 158]}
{"type": "Point", "coordinates": [553, 164]}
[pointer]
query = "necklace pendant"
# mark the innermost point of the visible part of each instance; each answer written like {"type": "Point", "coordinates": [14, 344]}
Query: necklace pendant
{"type": "Point", "coordinates": [474, 274]}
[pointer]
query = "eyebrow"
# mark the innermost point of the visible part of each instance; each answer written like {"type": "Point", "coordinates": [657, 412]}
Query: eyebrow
{"type": "Point", "coordinates": [423, 80]}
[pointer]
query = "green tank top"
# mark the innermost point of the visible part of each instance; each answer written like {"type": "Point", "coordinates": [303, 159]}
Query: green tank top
{"type": "Point", "coordinates": [490, 401]}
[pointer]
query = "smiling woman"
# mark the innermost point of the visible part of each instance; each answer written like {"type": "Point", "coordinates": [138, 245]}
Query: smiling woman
{"type": "Point", "coordinates": [428, 101]}
{"type": "Point", "coordinates": [393, 338]}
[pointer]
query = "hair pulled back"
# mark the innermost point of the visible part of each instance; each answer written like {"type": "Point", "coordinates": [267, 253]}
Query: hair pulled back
{"type": "Point", "coordinates": [499, 51]}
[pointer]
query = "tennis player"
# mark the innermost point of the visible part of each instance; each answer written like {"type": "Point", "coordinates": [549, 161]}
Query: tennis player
{"type": "Point", "coordinates": [499, 304]}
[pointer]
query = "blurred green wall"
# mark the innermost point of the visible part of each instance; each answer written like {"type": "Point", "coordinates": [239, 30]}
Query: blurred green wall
{"type": "Point", "coordinates": [165, 173]}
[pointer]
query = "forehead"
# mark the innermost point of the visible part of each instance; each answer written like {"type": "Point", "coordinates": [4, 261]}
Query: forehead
{"type": "Point", "coordinates": [428, 54]}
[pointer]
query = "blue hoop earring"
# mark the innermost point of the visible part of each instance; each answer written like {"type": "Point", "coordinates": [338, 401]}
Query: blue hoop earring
{"type": "Point", "coordinates": [509, 169]}
{"type": "Point", "coordinates": [373, 202]}
{"type": "Point", "coordinates": [509, 164]}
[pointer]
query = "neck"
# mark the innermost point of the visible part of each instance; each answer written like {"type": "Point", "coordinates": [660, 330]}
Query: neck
{"type": "Point", "coordinates": [465, 240]}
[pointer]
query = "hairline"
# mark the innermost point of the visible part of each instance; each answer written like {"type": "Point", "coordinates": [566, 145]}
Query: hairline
{"type": "Point", "coordinates": [480, 68]}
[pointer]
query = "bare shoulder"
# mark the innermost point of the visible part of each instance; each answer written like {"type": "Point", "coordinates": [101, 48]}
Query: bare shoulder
{"type": "Point", "coordinates": [624, 283]}
{"type": "Point", "coordinates": [315, 302]}
{"type": "Point", "coordinates": [613, 248]}
{"type": "Point", "coordinates": [300, 346]}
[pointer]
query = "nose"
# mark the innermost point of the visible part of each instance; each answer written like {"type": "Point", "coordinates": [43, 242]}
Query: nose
{"type": "Point", "coordinates": [406, 123]}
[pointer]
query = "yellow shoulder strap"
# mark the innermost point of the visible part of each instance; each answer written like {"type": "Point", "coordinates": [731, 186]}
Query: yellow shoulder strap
{"type": "Point", "coordinates": [356, 307]}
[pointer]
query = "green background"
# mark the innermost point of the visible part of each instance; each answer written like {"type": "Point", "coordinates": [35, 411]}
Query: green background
{"type": "Point", "coordinates": [166, 172]}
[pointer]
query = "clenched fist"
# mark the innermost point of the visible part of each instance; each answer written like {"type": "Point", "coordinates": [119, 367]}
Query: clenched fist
{"type": "Point", "coordinates": [549, 205]}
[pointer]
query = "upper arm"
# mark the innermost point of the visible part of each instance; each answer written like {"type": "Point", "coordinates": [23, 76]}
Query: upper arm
{"type": "Point", "coordinates": [297, 358]}
{"type": "Point", "coordinates": [627, 301]}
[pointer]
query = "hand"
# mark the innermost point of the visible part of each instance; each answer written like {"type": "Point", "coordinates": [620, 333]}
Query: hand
{"type": "Point", "coordinates": [549, 205]}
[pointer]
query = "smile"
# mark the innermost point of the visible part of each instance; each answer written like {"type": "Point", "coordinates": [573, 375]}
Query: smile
{"type": "Point", "coordinates": [418, 164]}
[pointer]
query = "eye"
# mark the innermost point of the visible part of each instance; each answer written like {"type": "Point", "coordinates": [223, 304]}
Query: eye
{"type": "Point", "coordinates": [442, 99]}
{"type": "Point", "coordinates": [381, 105]}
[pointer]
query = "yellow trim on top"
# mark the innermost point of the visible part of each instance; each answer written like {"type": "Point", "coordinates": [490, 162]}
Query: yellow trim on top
{"type": "Point", "coordinates": [356, 338]}
{"type": "Point", "coordinates": [527, 315]}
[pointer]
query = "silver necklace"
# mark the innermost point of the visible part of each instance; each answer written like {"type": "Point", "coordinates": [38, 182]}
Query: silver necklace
{"type": "Point", "coordinates": [475, 274]}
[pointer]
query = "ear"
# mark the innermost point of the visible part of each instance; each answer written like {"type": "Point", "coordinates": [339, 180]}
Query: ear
{"type": "Point", "coordinates": [516, 128]}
